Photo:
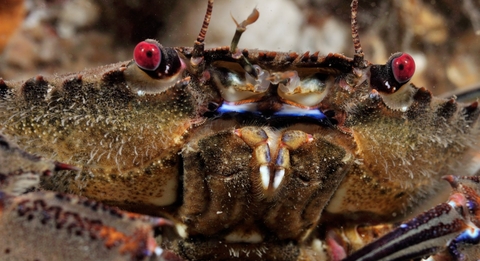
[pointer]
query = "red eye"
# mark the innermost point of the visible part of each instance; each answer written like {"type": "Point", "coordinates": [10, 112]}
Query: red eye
{"type": "Point", "coordinates": [403, 68]}
{"type": "Point", "coordinates": [147, 55]}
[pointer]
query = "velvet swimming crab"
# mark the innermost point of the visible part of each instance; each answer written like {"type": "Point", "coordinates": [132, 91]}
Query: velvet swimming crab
{"type": "Point", "coordinates": [245, 154]}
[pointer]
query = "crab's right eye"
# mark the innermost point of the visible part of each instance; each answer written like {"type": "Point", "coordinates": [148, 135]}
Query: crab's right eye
{"type": "Point", "coordinates": [154, 68]}
{"type": "Point", "coordinates": [403, 67]}
{"type": "Point", "coordinates": [147, 55]}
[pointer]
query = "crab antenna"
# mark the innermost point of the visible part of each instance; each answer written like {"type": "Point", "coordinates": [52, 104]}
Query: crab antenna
{"type": "Point", "coordinates": [358, 57]}
{"type": "Point", "coordinates": [198, 46]}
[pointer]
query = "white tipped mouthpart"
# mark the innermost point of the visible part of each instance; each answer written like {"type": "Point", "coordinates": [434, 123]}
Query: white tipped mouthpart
{"type": "Point", "coordinates": [277, 180]}
{"type": "Point", "coordinates": [265, 176]}
{"type": "Point", "coordinates": [182, 230]}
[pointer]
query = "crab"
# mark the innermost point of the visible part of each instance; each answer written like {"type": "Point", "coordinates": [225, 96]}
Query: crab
{"type": "Point", "coordinates": [224, 153]}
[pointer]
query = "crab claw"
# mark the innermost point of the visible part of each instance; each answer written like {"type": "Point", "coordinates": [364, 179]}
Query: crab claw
{"type": "Point", "coordinates": [449, 231]}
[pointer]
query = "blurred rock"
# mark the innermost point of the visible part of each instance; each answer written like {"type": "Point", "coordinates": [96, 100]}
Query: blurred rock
{"type": "Point", "coordinates": [12, 13]}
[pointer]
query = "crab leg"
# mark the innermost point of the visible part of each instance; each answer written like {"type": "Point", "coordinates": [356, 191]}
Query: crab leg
{"type": "Point", "coordinates": [71, 227]}
{"type": "Point", "coordinates": [450, 229]}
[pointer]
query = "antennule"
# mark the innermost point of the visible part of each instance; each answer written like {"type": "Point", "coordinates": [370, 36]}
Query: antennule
{"type": "Point", "coordinates": [241, 27]}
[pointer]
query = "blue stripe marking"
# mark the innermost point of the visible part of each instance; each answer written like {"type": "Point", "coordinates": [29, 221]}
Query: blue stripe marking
{"type": "Point", "coordinates": [286, 111]}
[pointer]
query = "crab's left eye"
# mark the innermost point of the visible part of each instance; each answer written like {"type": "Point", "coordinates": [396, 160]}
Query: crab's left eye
{"type": "Point", "coordinates": [403, 68]}
{"type": "Point", "coordinates": [147, 55]}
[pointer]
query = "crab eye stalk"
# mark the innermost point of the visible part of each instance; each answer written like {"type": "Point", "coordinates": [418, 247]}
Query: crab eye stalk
{"type": "Point", "coordinates": [154, 68]}
{"type": "Point", "coordinates": [402, 67]}
{"type": "Point", "coordinates": [147, 55]}
{"type": "Point", "coordinates": [157, 61]}
{"type": "Point", "coordinates": [390, 77]}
